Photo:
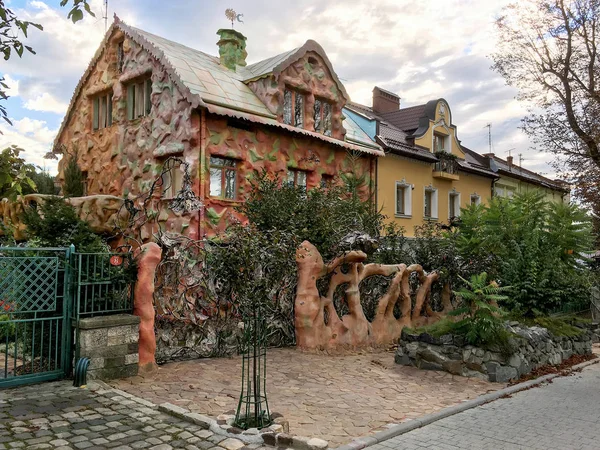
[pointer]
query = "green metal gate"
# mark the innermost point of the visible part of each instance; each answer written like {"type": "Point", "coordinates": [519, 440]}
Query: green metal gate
{"type": "Point", "coordinates": [35, 314]}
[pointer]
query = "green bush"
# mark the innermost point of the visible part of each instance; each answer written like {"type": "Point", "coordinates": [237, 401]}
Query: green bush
{"type": "Point", "coordinates": [73, 185]}
{"type": "Point", "coordinates": [55, 223]}
{"type": "Point", "coordinates": [7, 329]}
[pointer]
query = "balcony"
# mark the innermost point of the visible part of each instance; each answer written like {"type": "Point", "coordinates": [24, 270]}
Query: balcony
{"type": "Point", "coordinates": [446, 168]}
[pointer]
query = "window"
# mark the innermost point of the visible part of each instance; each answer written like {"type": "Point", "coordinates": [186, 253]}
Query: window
{"type": "Point", "coordinates": [139, 99]}
{"type": "Point", "coordinates": [475, 199]}
{"type": "Point", "coordinates": [439, 143]}
{"type": "Point", "coordinates": [403, 199]}
{"type": "Point", "coordinates": [293, 108]}
{"type": "Point", "coordinates": [297, 178]}
{"type": "Point", "coordinates": [322, 117]}
{"type": "Point", "coordinates": [431, 203]}
{"type": "Point", "coordinates": [120, 56]}
{"type": "Point", "coordinates": [223, 177]}
{"type": "Point", "coordinates": [102, 114]}
{"type": "Point", "coordinates": [326, 181]}
{"type": "Point", "coordinates": [172, 182]}
{"type": "Point", "coordinates": [453, 205]}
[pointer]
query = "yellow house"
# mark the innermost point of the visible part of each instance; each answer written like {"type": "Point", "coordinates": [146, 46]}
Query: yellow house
{"type": "Point", "coordinates": [426, 174]}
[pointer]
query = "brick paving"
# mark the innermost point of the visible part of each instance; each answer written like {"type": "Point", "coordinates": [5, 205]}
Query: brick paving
{"type": "Point", "coordinates": [336, 398]}
{"type": "Point", "coordinates": [59, 416]}
{"type": "Point", "coordinates": [557, 416]}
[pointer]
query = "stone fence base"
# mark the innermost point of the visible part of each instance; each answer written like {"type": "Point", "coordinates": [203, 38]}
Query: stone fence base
{"type": "Point", "coordinates": [111, 343]}
{"type": "Point", "coordinates": [534, 347]}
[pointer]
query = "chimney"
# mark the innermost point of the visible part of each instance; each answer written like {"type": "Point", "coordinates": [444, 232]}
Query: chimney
{"type": "Point", "coordinates": [385, 101]}
{"type": "Point", "coordinates": [509, 160]}
{"type": "Point", "coordinates": [232, 48]}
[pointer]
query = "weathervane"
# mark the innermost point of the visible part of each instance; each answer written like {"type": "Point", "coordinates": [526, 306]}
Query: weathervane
{"type": "Point", "coordinates": [233, 16]}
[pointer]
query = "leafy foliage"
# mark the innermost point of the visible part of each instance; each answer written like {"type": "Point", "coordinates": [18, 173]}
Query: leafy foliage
{"type": "Point", "coordinates": [537, 248]}
{"type": "Point", "coordinates": [73, 185]}
{"type": "Point", "coordinates": [14, 173]}
{"type": "Point", "coordinates": [321, 216]}
{"type": "Point", "coordinates": [44, 183]}
{"type": "Point", "coordinates": [55, 223]}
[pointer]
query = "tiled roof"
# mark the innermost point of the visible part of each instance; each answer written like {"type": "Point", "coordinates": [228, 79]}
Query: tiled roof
{"type": "Point", "coordinates": [204, 82]}
{"type": "Point", "coordinates": [395, 139]}
{"type": "Point", "coordinates": [502, 167]}
{"type": "Point", "coordinates": [406, 119]}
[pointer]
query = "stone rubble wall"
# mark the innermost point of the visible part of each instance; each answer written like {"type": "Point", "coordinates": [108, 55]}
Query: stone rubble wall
{"type": "Point", "coordinates": [535, 347]}
{"type": "Point", "coordinates": [111, 343]}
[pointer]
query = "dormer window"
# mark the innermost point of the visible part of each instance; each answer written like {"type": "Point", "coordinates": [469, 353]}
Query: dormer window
{"type": "Point", "coordinates": [120, 56]}
{"type": "Point", "coordinates": [293, 108]}
{"type": "Point", "coordinates": [440, 143]}
{"type": "Point", "coordinates": [322, 117]}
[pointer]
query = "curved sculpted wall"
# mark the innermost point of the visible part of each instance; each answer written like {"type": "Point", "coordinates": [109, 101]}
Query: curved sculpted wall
{"type": "Point", "coordinates": [318, 325]}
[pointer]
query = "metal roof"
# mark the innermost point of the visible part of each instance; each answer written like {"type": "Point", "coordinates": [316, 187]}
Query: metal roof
{"type": "Point", "coordinates": [203, 81]}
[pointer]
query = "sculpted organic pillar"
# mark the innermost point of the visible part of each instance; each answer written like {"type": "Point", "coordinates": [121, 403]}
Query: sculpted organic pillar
{"type": "Point", "coordinates": [143, 304]}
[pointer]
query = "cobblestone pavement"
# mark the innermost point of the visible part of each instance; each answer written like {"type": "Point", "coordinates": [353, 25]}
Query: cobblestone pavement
{"type": "Point", "coordinates": [59, 416]}
{"type": "Point", "coordinates": [336, 398]}
{"type": "Point", "coordinates": [562, 415]}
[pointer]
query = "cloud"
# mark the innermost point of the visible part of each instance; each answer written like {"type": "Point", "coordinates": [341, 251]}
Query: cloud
{"type": "Point", "coordinates": [34, 137]}
{"type": "Point", "coordinates": [46, 102]}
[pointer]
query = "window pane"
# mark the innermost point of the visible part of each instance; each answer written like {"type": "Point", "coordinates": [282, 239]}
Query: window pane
{"type": "Point", "coordinates": [103, 112]}
{"type": "Point", "coordinates": [301, 179]}
{"type": "Point", "coordinates": [109, 118]}
{"type": "Point", "coordinates": [317, 116]}
{"type": "Point", "coordinates": [400, 200]}
{"type": "Point", "coordinates": [216, 161]}
{"type": "Point", "coordinates": [428, 195]}
{"type": "Point", "coordinates": [291, 177]}
{"type": "Point", "coordinates": [327, 119]}
{"type": "Point", "coordinates": [216, 176]}
{"type": "Point", "coordinates": [228, 162]}
{"type": "Point", "coordinates": [287, 107]}
{"type": "Point", "coordinates": [230, 184]}
{"type": "Point", "coordinates": [299, 110]}
{"type": "Point", "coordinates": [452, 211]}
{"type": "Point", "coordinates": [131, 102]}
{"type": "Point", "coordinates": [139, 100]}
{"type": "Point", "coordinates": [95, 113]}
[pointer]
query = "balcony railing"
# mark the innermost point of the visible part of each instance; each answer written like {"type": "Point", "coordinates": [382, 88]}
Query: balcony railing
{"type": "Point", "coordinates": [446, 165]}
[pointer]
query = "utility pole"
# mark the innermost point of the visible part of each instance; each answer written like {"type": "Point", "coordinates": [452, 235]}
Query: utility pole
{"type": "Point", "coordinates": [521, 159]}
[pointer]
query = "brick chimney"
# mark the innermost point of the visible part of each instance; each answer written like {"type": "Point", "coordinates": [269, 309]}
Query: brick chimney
{"type": "Point", "coordinates": [385, 101]}
{"type": "Point", "coordinates": [232, 48]}
{"type": "Point", "coordinates": [509, 160]}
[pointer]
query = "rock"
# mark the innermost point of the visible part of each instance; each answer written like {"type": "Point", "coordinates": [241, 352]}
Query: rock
{"type": "Point", "coordinates": [402, 359]}
{"type": "Point", "coordinates": [284, 440]}
{"type": "Point", "coordinates": [514, 361]}
{"type": "Point", "coordinates": [426, 365]}
{"type": "Point", "coordinates": [446, 339]}
{"type": "Point", "coordinates": [453, 367]}
{"type": "Point", "coordinates": [428, 354]}
{"type": "Point", "coordinates": [503, 374]}
{"type": "Point", "coordinates": [269, 439]}
{"type": "Point", "coordinates": [317, 444]}
{"type": "Point", "coordinates": [459, 341]}
{"type": "Point", "coordinates": [429, 339]}
{"type": "Point", "coordinates": [251, 431]}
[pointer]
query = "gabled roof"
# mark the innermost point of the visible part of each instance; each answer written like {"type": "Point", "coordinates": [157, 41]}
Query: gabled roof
{"type": "Point", "coordinates": [407, 119]}
{"type": "Point", "coordinates": [395, 139]}
{"type": "Point", "coordinates": [204, 82]}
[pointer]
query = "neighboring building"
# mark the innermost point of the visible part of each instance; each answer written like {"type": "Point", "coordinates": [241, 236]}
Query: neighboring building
{"type": "Point", "coordinates": [426, 174]}
{"type": "Point", "coordinates": [514, 179]}
{"type": "Point", "coordinates": [144, 98]}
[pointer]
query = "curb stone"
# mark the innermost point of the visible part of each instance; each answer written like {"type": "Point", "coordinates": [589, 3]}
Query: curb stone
{"type": "Point", "coordinates": [208, 423]}
{"type": "Point", "coordinates": [405, 427]}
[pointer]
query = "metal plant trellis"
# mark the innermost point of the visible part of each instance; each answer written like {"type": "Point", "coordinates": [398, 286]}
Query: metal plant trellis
{"type": "Point", "coordinates": [253, 407]}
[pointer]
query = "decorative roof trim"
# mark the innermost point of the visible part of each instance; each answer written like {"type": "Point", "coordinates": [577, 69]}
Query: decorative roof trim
{"type": "Point", "coordinates": [309, 46]}
{"type": "Point", "coordinates": [194, 100]}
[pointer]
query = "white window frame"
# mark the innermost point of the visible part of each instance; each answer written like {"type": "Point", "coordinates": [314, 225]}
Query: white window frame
{"type": "Point", "coordinates": [477, 198]}
{"type": "Point", "coordinates": [407, 199]}
{"type": "Point", "coordinates": [453, 195]}
{"type": "Point", "coordinates": [434, 203]}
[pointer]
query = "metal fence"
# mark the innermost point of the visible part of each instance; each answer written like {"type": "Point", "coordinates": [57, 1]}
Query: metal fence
{"type": "Point", "coordinates": [43, 292]}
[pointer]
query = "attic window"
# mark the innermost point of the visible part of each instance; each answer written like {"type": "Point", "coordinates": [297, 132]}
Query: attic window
{"type": "Point", "coordinates": [139, 99]}
{"type": "Point", "coordinates": [293, 108]}
{"type": "Point", "coordinates": [120, 56]}
{"type": "Point", "coordinates": [322, 117]}
{"type": "Point", "coordinates": [102, 111]}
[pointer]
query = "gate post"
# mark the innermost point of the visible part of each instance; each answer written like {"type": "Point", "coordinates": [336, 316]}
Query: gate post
{"type": "Point", "coordinates": [67, 362]}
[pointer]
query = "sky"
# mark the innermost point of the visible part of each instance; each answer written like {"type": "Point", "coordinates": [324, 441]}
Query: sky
{"type": "Point", "coordinates": [419, 50]}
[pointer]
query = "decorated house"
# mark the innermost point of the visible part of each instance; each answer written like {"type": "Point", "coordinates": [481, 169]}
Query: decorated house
{"type": "Point", "coordinates": [145, 99]}
{"type": "Point", "coordinates": [427, 175]}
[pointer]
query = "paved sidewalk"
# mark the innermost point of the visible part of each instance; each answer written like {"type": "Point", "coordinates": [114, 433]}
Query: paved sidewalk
{"type": "Point", "coordinates": [335, 398]}
{"type": "Point", "coordinates": [562, 415]}
{"type": "Point", "coordinates": [59, 416]}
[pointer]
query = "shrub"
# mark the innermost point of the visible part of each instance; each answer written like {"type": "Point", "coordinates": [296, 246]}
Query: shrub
{"type": "Point", "coordinates": [73, 185]}
{"type": "Point", "coordinates": [55, 223]}
{"type": "Point", "coordinates": [7, 329]}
